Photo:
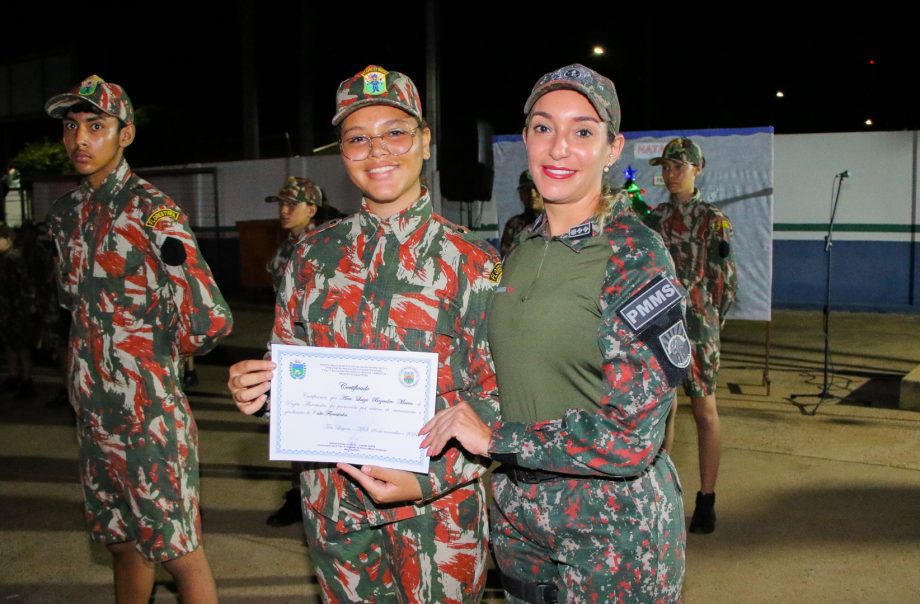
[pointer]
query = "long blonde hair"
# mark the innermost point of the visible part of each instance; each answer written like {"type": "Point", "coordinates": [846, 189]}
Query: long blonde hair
{"type": "Point", "coordinates": [609, 198]}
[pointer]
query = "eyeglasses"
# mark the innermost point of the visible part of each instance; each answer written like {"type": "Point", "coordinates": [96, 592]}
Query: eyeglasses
{"type": "Point", "coordinates": [396, 141]}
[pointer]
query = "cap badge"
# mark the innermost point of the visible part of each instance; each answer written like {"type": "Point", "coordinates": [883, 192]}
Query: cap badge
{"type": "Point", "coordinates": [88, 86]}
{"type": "Point", "coordinates": [375, 80]}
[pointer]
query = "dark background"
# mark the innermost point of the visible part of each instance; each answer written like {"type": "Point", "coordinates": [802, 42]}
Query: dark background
{"type": "Point", "coordinates": [675, 67]}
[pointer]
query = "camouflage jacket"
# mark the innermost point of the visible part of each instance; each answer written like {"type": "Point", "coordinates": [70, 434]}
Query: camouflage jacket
{"type": "Point", "coordinates": [513, 229]}
{"type": "Point", "coordinates": [411, 282]}
{"type": "Point", "coordinates": [621, 434]}
{"type": "Point", "coordinates": [140, 295]}
{"type": "Point", "coordinates": [698, 235]}
{"type": "Point", "coordinates": [277, 264]}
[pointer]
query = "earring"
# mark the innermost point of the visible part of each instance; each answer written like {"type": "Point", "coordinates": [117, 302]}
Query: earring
{"type": "Point", "coordinates": [606, 168]}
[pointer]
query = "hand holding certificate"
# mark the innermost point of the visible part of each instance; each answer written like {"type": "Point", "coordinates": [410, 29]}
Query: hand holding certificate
{"type": "Point", "coordinates": [352, 406]}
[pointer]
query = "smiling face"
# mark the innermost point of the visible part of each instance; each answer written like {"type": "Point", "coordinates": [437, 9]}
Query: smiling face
{"type": "Point", "coordinates": [95, 144]}
{"type": "Point", "coordinates": [568, 149]}
{"type": "Point", "coordinates": [390, 183]}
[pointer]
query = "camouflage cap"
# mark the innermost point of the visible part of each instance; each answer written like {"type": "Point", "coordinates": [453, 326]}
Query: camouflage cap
{"type": "Point", "coordinates": [298, 190]}
{"type": "Point", "coordinates": [683, 150]}
{"type": "Point", "coordinates": [597, 88]}
{"type": "Point", "coordinates": [374, 85]}
{"type": "Point", "coordinates": [109, 98]}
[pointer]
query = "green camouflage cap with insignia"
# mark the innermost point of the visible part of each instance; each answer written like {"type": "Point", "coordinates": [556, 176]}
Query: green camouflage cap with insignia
{"type": "Point", "coordinates": [374, 85]}
{"type": "Point", "coordinates": [598, 89]}
{"type": "Point", "coordinates": [109, 98]}
{"type": "Point", "coordinates": [683, 150]}
{"type": "Point", "coordinates": [298, 190]}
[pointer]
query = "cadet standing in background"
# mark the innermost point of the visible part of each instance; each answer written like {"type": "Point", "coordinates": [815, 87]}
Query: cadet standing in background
{"type": "Point", "coordinates": [298, 202]}
{"type": "Point", "coordinates": [698, 236]}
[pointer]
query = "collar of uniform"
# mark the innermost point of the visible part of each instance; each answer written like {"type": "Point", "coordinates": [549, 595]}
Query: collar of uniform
{"type": "Point", "coordinates": [402, 225]}
{"type": "Point", "coordinates": [575, 239]}
{"type": "Point", "coordinates": [113, 183]}
{"type": "Point", "coordinates": [697, 197]}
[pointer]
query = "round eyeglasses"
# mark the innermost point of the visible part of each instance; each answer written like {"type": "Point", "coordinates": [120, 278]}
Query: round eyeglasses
{"type": "Point", "coordinates": [396, 141]}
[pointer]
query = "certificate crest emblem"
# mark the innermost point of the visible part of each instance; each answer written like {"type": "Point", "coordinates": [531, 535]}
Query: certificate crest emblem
{"type": "Point", "coordinates": [408, 377]}
{"type": "Point", "coordinates": [298, 370]}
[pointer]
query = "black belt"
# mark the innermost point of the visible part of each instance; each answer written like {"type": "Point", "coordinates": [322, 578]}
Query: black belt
{"type": "Point", "coordinates": [533, 593]}
{"type": "Point", "coordinates": [527, 476]}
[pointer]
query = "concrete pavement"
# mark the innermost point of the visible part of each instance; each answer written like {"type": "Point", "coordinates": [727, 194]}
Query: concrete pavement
{"type": "Point", "coordinates": [811, 508]}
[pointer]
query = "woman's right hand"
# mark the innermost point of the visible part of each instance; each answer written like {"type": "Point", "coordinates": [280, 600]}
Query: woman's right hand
{"type": "Point", "coordinates": [249, 384]}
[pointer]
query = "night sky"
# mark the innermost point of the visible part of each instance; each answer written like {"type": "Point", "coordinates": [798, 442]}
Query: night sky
{"type": "Point", "coordinates": [674, 67]}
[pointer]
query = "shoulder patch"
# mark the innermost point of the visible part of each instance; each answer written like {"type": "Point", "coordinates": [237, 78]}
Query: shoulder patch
{"type": "Point", "coordinates": [649, 303]}
{"type": "Point", "coordinates": [161, 214]}
{"type": "Point", "coordinates": [496, 275]}
{"type": "Point", "coordinates": [676, 345]}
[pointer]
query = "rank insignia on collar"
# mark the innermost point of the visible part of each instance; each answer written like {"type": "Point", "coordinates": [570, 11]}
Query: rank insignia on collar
{"type": "Point", "coordinates": [162, 214]}
{"type": "Point", "coordinates": [496, 275]}
{"type": "Point", "coordinates": [375, 80]}
{"type": "Point", "coordinates": [581, 231]}
{"type": "Point", "coordinates": [676, 345]}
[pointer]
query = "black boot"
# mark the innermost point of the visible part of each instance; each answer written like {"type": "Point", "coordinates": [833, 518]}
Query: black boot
{"type": "Point", "coordinates": [704, 516]}
{"type": "Point", "coordinates": [289, 512]}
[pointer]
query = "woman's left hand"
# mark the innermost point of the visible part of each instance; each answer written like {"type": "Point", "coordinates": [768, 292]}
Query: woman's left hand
{"type": "Point", "coordinates": [460, 422]}
{"type": "Point", "coordinates": [385, 485]}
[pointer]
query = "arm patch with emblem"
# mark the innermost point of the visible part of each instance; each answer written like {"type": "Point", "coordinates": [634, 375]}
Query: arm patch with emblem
{"type": "Point", "coordinates": [654, 314]}
{"type": "Point", "coordinates": [172, 252]}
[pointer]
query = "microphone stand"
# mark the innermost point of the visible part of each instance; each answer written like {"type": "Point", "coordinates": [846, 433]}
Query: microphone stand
{"type": "Point", "coordinates": [825, 393]}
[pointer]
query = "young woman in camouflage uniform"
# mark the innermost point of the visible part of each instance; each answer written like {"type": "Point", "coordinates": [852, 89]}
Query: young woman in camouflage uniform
{"type": "Point", "coordinates": [589, 341]}
{"type": "Point", "coordinates": [698, 236]}
{"type": "Point", "coordinates": [394, 276]}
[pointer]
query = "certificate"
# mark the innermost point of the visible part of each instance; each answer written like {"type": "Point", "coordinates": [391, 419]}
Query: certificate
{"type": "Point", "coordinates": [350, 405]}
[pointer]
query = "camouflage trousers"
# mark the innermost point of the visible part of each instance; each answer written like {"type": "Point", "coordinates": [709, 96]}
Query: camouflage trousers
{"type": "Point", "coordinates": [703, 330]}
{"type": "Point", "coordinates": [596, 540]}
{"type": "Point", "coordinates": [140, 483]}
{"type": "Point", "coordinates": [435, 557]}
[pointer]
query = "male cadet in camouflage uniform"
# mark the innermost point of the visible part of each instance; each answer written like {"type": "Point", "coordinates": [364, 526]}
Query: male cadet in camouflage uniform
{"type": "Point", "coordinates": [698, 236]}
{"type": "Point", "coordinates": [394, 276]}
{"type": "Point", "coordinates": [298, 202]}
{"type": "Point", "coordinates": [140, 295]}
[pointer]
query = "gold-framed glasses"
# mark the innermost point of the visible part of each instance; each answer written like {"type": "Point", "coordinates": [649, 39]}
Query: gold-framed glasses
{"type": "Point", "coordinates": [396, 141]}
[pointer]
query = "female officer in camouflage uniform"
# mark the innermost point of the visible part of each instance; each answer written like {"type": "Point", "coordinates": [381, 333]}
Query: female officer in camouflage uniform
{"type": "Point", "coordinates": [394, 276]}
{"type": "Point", "coordinates": [589, 342]}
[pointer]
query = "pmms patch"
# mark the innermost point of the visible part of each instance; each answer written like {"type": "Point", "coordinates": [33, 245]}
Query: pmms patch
{"type": "Point", "coordinates": [649, 303]}
{"type": "Point", "coordinates": [656, 316]}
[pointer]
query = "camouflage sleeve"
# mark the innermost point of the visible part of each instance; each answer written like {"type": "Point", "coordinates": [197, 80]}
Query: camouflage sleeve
{"type": "Point", "coordinates": [721, 277]}
{"type": "Point", "coordinates": [63, 260]}
{"type": "Point", "coordinates": [622, 436]}
{"type": "Point", "coordinates": [204, 316]}
{"type": "Point", "coordinates": [288, 329]}
{"type": "Point", "coordinates": [473, 378]}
